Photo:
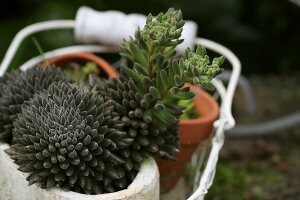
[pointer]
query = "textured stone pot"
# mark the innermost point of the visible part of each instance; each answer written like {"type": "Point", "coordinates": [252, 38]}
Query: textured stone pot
{"type": "Point", "coordinates": [13, 185]}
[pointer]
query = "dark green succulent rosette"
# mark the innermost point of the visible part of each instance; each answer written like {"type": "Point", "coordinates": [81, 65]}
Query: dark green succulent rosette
{"type": "Point", "coordinates": [17, 88]}
{"type": "Point", "coordinates": [149, 137]}
{"type": "Point", "coordinates": [67, 137]}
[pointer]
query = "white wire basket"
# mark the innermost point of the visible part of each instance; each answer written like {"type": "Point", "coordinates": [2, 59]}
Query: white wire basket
{"type": "Point", "coordinates": [121, 26]}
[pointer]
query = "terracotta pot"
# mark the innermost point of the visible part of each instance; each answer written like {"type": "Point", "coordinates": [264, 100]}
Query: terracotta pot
{"type": "Point", "coordinates": [191, 133]}
{"type": "Point", "coordinates": [84, 57]}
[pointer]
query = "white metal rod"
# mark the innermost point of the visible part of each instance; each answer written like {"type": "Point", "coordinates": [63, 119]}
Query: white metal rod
{"type": "Point", "coordinates": [25, 32]}
{"type": "Point", "coordinates": [66, 50]}
{"type": "Point", "coordinates": [209, 171]}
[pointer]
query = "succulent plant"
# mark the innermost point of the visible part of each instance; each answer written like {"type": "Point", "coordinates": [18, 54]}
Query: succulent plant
{"type": "Point", "coordinates": [17, 88]}
{"type": "Point", "coordinates": [67, 137]}
{"type": "Point", "coordinates": [151, 83]}
{"type": "Point", "coordinates": [92, 140]}
{"type": "Point", "coordinates": [4, 81]}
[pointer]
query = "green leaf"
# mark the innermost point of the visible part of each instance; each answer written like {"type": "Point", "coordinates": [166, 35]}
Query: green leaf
{"type": "Point", "coordinates": [149, 18]}
{"type": "Point", "coordinates": [154, 92]}
{"type": "Point", "coordinates": [174, 90]}
{"type": "Point", "coordinates": [159, 106]}
{"type": "Point", "coordinates": [201, 50]}
{"type": "Point", "coordinates": [171, 73]}
{"type": "Point", "coordinates": [126, 56]}
{"type": "Point", "coordinates": [144, 104]}
{"type": "Point", "coordinates": [195, 81]}
{"type": "Point", "coordinates": [135, 77]}
{"type": "Point", "coordinates": [138, 54]}
{"type": "Point", "coordinates": [169, 52]}
{"type": "Point", "coordinates": [147, 81]}
{"type": "Point", "coordinates": [196, 72]}
{"type": "Point", "coordinates": [177, 80]}
{"type": "Point", "coordinates": [182, 95]}
{"type": "Point", "coordinates": [164, 78]}
{"type": "Point", "coordinates": [139, 68]}
{"type": "Point", "coordinates": [163, 116]}
{"type": "Point", "coordinates": [175, 66]}
{"type": "Point", "coordinates": [208, 87]}
{"type": "Point", "coordinates": [219, 60]}
{"type": "Point", "coordinates": [171, 43]}
{"type": "Point", "coordinates": [159, 82]}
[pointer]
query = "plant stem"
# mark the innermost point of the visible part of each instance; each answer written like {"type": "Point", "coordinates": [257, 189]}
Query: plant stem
{"type": "Point", "coordinates": [150, 63]}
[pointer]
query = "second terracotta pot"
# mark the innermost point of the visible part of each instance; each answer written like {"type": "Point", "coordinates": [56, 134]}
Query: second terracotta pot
{"type": "Point", "coordinates": [191, 133]}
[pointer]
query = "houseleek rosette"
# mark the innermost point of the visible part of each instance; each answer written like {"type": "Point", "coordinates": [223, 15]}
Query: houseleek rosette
{"type": "Point", "coordinates": [68, 137]}
{"type": "Point", "coordinates": [17, 88]}
{"type": "Point", "coordinates": [151, 83]}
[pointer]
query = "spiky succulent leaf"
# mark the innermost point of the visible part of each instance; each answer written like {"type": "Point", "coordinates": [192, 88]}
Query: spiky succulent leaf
{"type": "Point", "coordinates": [68, 137]}
{"type": "Point", "coordinates": [21, 87]}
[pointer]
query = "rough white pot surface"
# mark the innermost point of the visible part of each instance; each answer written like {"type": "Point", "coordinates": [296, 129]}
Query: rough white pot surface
{"type": "Point", "coordinates": [13, 185]}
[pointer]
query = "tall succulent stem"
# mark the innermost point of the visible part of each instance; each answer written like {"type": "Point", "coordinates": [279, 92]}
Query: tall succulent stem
{"type": "Point", "coordinates": [156, 75]}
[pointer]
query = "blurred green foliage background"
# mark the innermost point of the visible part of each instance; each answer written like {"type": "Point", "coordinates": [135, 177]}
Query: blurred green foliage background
{"type": "Point", "coordinates": [265, 34]}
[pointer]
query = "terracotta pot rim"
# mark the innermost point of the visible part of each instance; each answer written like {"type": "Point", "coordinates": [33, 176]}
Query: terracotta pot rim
{"type": "Point", "coordinates": [103, 64]}
{"type": "Point", "coordinates": [209, 101]}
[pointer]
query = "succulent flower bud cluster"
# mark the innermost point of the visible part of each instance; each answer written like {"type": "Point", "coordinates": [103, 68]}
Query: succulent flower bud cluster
{"type": "Point", "coordinates": [17, 88]}
{"type": "Point", "coordinates": [197, 66]}
{"type": "Point", "coordinates": [165, 29]}
{"type": "Point", "coordinates": [69, 137]}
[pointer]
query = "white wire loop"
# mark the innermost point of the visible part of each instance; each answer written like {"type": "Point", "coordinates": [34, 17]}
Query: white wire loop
{"type": "Point", "coordinates": [25, 32]}
{"type": "Point", "coordinates": [225, 121]}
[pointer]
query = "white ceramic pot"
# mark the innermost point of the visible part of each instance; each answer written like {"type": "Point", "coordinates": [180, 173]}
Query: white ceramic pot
{"type": "Point", "coordinates": [13, 185]}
